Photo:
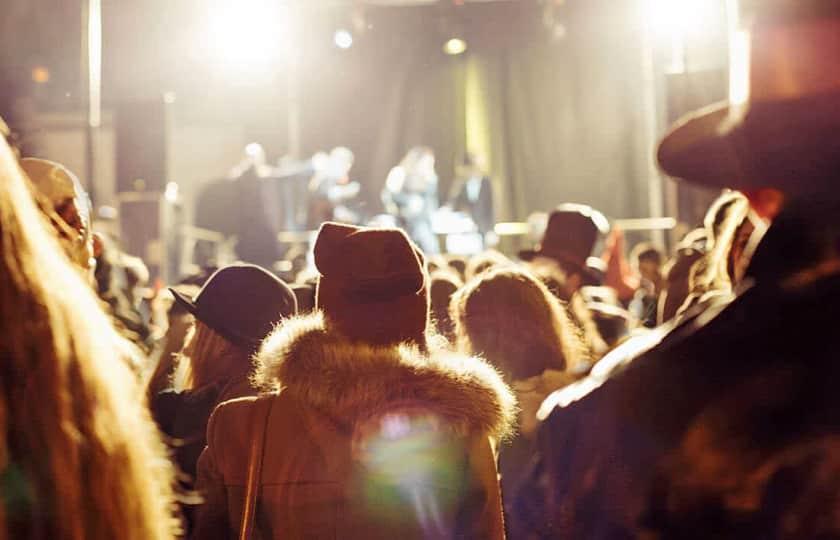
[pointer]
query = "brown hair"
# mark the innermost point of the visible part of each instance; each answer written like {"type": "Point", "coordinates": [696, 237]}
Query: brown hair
{"type": "Point", "coordinates": [710, 274]}
{"type": "Point", "coordinates": [510, 318]}
{"type": "Point", "coordinates": [75, 435]}
{"type": "Point", "coordinates": [208, 358]}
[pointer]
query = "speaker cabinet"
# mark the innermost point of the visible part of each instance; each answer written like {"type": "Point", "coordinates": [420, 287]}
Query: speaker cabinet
{"type": "Point", "coordinates": [141, 140]}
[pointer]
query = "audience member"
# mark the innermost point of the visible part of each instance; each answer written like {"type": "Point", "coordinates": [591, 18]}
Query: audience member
{"type": "Point", "coordinates": [728, 230]}
{"type": "Point", "coordinates": [571, 235]}
{"type": "Point", "coordinates": [726, 427]}
{"type": "Point", "coordinates": [237, 307]}
{"type": "Point", "coordinates": [69, 204]}
{"type": "Point", "coordinates": [485, 260]}
{"type": "Point", "coordinates": [677, 272]}
{"type": "Point", "coordinates": [79, 456]}
{"type": "Point", "coordinates": [442, 285]}
{"type": "Point", "coordinates": [647, 261]}
{"type": "Point", "coordinates": [368, 429]}
{"type": "Point", "coordinates": [510, 318]}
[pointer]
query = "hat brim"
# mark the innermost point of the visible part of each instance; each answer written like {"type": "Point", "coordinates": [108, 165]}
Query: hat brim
{"type": "Point", "coordinates": [788, 144]}
{"type": "Point", "coordinates": [189, 304]}
{"type": "Point", "coordinates": [184, 301]}
{"type": "Point", "coordinates": [699, 149]}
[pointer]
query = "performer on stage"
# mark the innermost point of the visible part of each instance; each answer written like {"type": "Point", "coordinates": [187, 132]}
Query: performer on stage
{"type": "Point", "coordinates": [411, 195]}
{"type": "Point", "coordinates": [333, 194]}
{"type": "Point", "coordinates": [472, 193]}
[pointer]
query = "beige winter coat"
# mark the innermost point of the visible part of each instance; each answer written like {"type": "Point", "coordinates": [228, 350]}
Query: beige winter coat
{"type": "Point", "coordinates": [362, 442]}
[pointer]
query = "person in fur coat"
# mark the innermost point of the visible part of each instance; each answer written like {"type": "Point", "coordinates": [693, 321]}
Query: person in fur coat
{"type": "Point", "coordinates": [371, 431]}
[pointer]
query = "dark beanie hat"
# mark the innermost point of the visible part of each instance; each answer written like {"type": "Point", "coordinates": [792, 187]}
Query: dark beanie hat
{"type": "Point", "coordinates": [242, 302]}
{"type": "Point", "coordinates": [373, 284]}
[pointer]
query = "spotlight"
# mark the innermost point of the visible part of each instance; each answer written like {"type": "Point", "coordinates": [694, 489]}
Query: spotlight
{"type": "Point", "coordinates": [343, 39]}
{"type": "Point", "coordinates": [455, 46]}
{"type": "Point", "coordinates": [682, 18]}
{"type": "Point", "coordinates": [250, 34]}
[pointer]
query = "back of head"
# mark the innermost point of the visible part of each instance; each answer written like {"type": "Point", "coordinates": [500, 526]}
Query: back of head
{"type": "Point", "coordinates": [484, 261]}
{"type": "Point", "coordinates": [86, 443]}
{"type": "Point", "coordinates": [442, 287]}
{"type": "Point", "coordinates": [373, 284]}
{"type": "Point", "coordinates": [511, 319]}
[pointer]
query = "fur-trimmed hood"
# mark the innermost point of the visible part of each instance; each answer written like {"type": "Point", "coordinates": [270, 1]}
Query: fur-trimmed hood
{"type": "Point", "coordinates": [349, 380]}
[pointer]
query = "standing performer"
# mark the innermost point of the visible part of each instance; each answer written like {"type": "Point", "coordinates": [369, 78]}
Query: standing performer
{"type": "Point", "coordinates": [410, 194]}
{"type": "Point", "coordinates": [472, 193]}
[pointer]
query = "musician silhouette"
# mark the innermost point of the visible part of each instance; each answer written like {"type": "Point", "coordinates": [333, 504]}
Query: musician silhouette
{"type": "Point", "coordinates": [411, 196]}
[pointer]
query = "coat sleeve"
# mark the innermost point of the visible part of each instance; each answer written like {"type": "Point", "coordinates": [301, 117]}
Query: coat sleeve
{"type": "Point", "coordinates": [481, 515]}
{"type": "Point", "coordinates": [212, 515]}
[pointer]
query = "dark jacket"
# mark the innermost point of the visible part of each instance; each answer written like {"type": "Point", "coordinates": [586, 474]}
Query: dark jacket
{"type": "Point", "coordinates": [182, 417]}
{"type": "Point", "coordinates": [361, 442]}
{"type": "Point", "coordinates": [477, 203]}
{"type": "Point", "coordinates": [751, 383]}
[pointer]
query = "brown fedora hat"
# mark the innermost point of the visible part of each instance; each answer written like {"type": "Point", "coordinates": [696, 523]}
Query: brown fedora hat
{"type": "Point", "coordinates": [779, 127]}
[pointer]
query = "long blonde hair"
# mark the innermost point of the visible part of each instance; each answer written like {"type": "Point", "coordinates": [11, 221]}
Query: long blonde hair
{"type": "Point", "coordinates": [76, 439]}
{"type": "Point", "coordinates": [209, 358]}
{"type": "Point", "coordinates": [513, 320]}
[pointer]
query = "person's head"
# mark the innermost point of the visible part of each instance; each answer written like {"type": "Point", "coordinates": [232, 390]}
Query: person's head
{"type": "Point", "coordinates": [373, 285]}
{"type": "Point", "coordinates": [75, 436]}
{"type": "Point", "coordinates": [70, 205]}
{"type": "Point", "coordinates": [510, 318]}
{"type": "Point", "coordinates": [677, 274]}
{"type": "Point", "coordinates": [484, 261]}
{"type": "Point", "coordinates": [236, 309]}
{"type": "Point", "coordinates": [419, 160]}
{"type": "Point", "coordinates": [442, 287]}
{"type": "Point", "coordinates": [571, 234]}
{"type": "Point", "coordinates": [647, 260]}
{"type": "Point", "coordinates": [715, 271]}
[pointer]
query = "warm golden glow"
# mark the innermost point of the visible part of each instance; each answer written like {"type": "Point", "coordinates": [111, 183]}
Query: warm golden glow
{"type": "Point", "coordinates": [739, 67]}
{"type": "Point", "coordinates": [455, 46]}
{"type": "Point", "coordinates": [40, 75]}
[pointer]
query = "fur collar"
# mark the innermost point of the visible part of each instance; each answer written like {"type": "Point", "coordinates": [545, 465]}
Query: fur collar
{"type": "Point", "coordinates": [351, 380]}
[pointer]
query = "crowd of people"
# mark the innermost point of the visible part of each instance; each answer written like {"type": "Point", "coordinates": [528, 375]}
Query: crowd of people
{"type": "Point", "coordinates": [574, 390]}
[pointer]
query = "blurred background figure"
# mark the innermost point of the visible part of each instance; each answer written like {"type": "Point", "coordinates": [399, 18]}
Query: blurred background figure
{"type": "Point", "coordinates": [472, 193]}
{"type": "Point", "coordinates": [333, 195]}
{"type": "Point", "coordinates": [411, 196]}
{"type": "Point", "coordinates": [647, 260]}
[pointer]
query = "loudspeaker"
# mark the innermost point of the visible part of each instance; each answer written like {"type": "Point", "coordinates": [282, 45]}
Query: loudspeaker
{"type": "Point", "coordinates": [141, 138]}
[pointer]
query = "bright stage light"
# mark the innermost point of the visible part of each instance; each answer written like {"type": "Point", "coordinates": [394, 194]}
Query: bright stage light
{"type": "Point", "coordinates": [343, 39]}
{"type": "Point", "coordinates": [455, 46]}
{"type": "Point", "coordinates": [681, 18]}
{"type": "Point", "coordinates": [246, 35]}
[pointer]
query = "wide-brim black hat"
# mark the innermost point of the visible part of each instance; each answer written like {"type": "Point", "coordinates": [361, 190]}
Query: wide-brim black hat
{"type": "Point", "coordinates": [791, 145]}
{"type": "Point", "coordinates": [242, 302]}
{"type": "Point", "coordinates": [779, 128]}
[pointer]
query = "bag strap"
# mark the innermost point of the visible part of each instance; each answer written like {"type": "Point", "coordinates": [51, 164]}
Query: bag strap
{"type": "Point", "coordinates": [259, 425]}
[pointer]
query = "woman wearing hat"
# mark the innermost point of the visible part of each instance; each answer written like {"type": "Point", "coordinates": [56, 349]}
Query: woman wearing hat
{"type": "Point", "coordinates": [237, 307]}
{"type": "Point", "coordinates": [368, 431]}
